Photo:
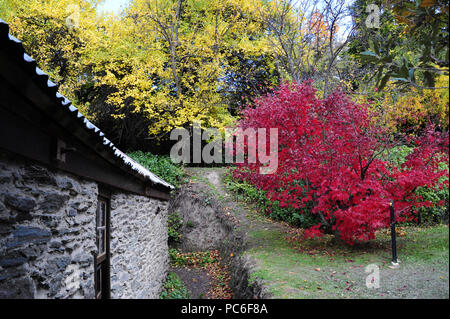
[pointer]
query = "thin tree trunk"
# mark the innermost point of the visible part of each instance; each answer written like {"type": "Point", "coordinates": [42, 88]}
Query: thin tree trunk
{"type": "Point", "coordinates": [174, 45]}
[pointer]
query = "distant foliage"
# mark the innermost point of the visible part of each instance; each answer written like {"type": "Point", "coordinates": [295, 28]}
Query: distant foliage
{"type": "Point", "coordinates": [330, 163]}
{"type": "Point", "coordinates": [161, 165]}
{"type": "Point", "coordinates": [412, 111]}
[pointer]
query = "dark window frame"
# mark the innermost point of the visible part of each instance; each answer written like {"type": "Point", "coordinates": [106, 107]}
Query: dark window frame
{"type": "Point", "coordinates": [102, 272]}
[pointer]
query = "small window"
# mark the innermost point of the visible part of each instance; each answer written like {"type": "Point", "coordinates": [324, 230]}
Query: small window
{"type": "Point", "coordinates": [101, 226]}
{"type": "Point", "coordinates": [101, 262]}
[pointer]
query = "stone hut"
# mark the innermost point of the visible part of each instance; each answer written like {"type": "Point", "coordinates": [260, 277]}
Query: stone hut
{"type": "Point", "coordinates": [78, 217]}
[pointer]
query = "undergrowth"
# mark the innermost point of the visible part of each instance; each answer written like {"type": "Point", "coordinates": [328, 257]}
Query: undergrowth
{"type": "Point", "coordinates": [160, 165]}
{"type": "Point", "coordinates": [174, 288]}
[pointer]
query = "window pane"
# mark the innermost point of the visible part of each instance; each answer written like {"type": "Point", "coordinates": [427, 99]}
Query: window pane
{"type": "Point", "coordinates": [103, 215]}
{"type": "Point", "coordinates": [101, 241]}
{"type": "Point", "coordinates": [101, 226]}
{"type": "Point", "coordinates": [104, 239]}
{"type": "Point", "coordinates": [98, 283]}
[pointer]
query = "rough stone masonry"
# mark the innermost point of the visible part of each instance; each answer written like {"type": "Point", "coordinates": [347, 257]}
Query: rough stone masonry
{"type": "Point", "coordinates": [47, 236]}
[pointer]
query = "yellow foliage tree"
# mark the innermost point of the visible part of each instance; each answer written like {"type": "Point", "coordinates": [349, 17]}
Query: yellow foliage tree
{"type": "Point", "coordinates": [167, 59]}
{"type": "Point", "coordinates": [413, 110]}
{"type": "Point", "coordinates": [164, 61]}
{"type": "Point", "coordinates": [56, 33]}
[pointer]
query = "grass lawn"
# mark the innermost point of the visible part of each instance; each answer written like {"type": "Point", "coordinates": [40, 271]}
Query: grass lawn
{"type": "Point", "coordinates": [324, 268]}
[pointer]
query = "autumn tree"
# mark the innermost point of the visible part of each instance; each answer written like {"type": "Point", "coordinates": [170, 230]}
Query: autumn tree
{"type": "Point", "coordinates": [332, 163]}
{"type": "Point", "coordinates": [52, 34]}
{"type": "Point", "coordinates": [73, 44]}
{"type": "Point", "coordinates": [156, 66]}
{"type": "Point", "coordinates": [181, 59]}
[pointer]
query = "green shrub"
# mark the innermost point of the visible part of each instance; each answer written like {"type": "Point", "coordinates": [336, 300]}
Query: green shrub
{"type": "Point", "coordinates": [190, 224]}
{"type": "Point", "coordinates": [176, 257]}
{"type": "Point", "coordinates": [245, 191]}
{"type": "Point", "coordinates": [160, 165]}
{"type": "Point", "coordinates": [435, 214]}
{"type": "Point", "coordinates": [397, 155]}
{"type": "Point", "coordinates": [174, 288]}
{"type": "Point", "coordinates": [437, 194]}
{"type": "Point", "coordinates": [174, 223]}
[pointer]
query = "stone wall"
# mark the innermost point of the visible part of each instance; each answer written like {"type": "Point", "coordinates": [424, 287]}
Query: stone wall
{"type": "Point", "coordinates": [47, 236]}
{"type": "Point", "coordinates": [46, 224]}
{"type": "Point", "coordinates": [139, 250]}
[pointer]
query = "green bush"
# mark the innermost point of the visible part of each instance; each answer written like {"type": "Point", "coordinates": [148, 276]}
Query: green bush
{"type": "Point", "coordinates": [245, 191]}
{"type": "Point", "coordinates": [174, 223]}
{"type": "Point", "coordinates": [174, 288]}
{"type": "Point", "coordinates": [176, 257]}
{"type": "Point", "coordinates": [160, 165]}
{"type": "Point", "coordinates": [397, 155]}
{"type": "Point", "coordinates": [437, 194]}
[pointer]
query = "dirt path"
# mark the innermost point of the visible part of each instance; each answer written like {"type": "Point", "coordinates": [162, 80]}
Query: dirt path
{"type": "Point", "coordinates": [197, 281]}
{"type": "Point", "coordinates": [211, 179]}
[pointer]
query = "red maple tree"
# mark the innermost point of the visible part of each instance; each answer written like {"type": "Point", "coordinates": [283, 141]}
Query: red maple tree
{"type": "Point", "coordinates": [331, 157]}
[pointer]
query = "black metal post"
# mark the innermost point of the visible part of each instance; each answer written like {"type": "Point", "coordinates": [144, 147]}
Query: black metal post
{"type": "Point", "coordinates": [394, 241]}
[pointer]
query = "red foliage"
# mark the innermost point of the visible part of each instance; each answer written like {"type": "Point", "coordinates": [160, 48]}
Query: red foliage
{"type": "Point", "coordinates": [330, 155]}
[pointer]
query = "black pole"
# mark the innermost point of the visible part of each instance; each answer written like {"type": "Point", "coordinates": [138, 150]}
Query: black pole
{"type": "Point", "coordinates": [394, 241]}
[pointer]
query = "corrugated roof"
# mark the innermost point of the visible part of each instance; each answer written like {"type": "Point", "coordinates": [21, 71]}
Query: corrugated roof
{"type": "Point", "coordinates": [121, 159]}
